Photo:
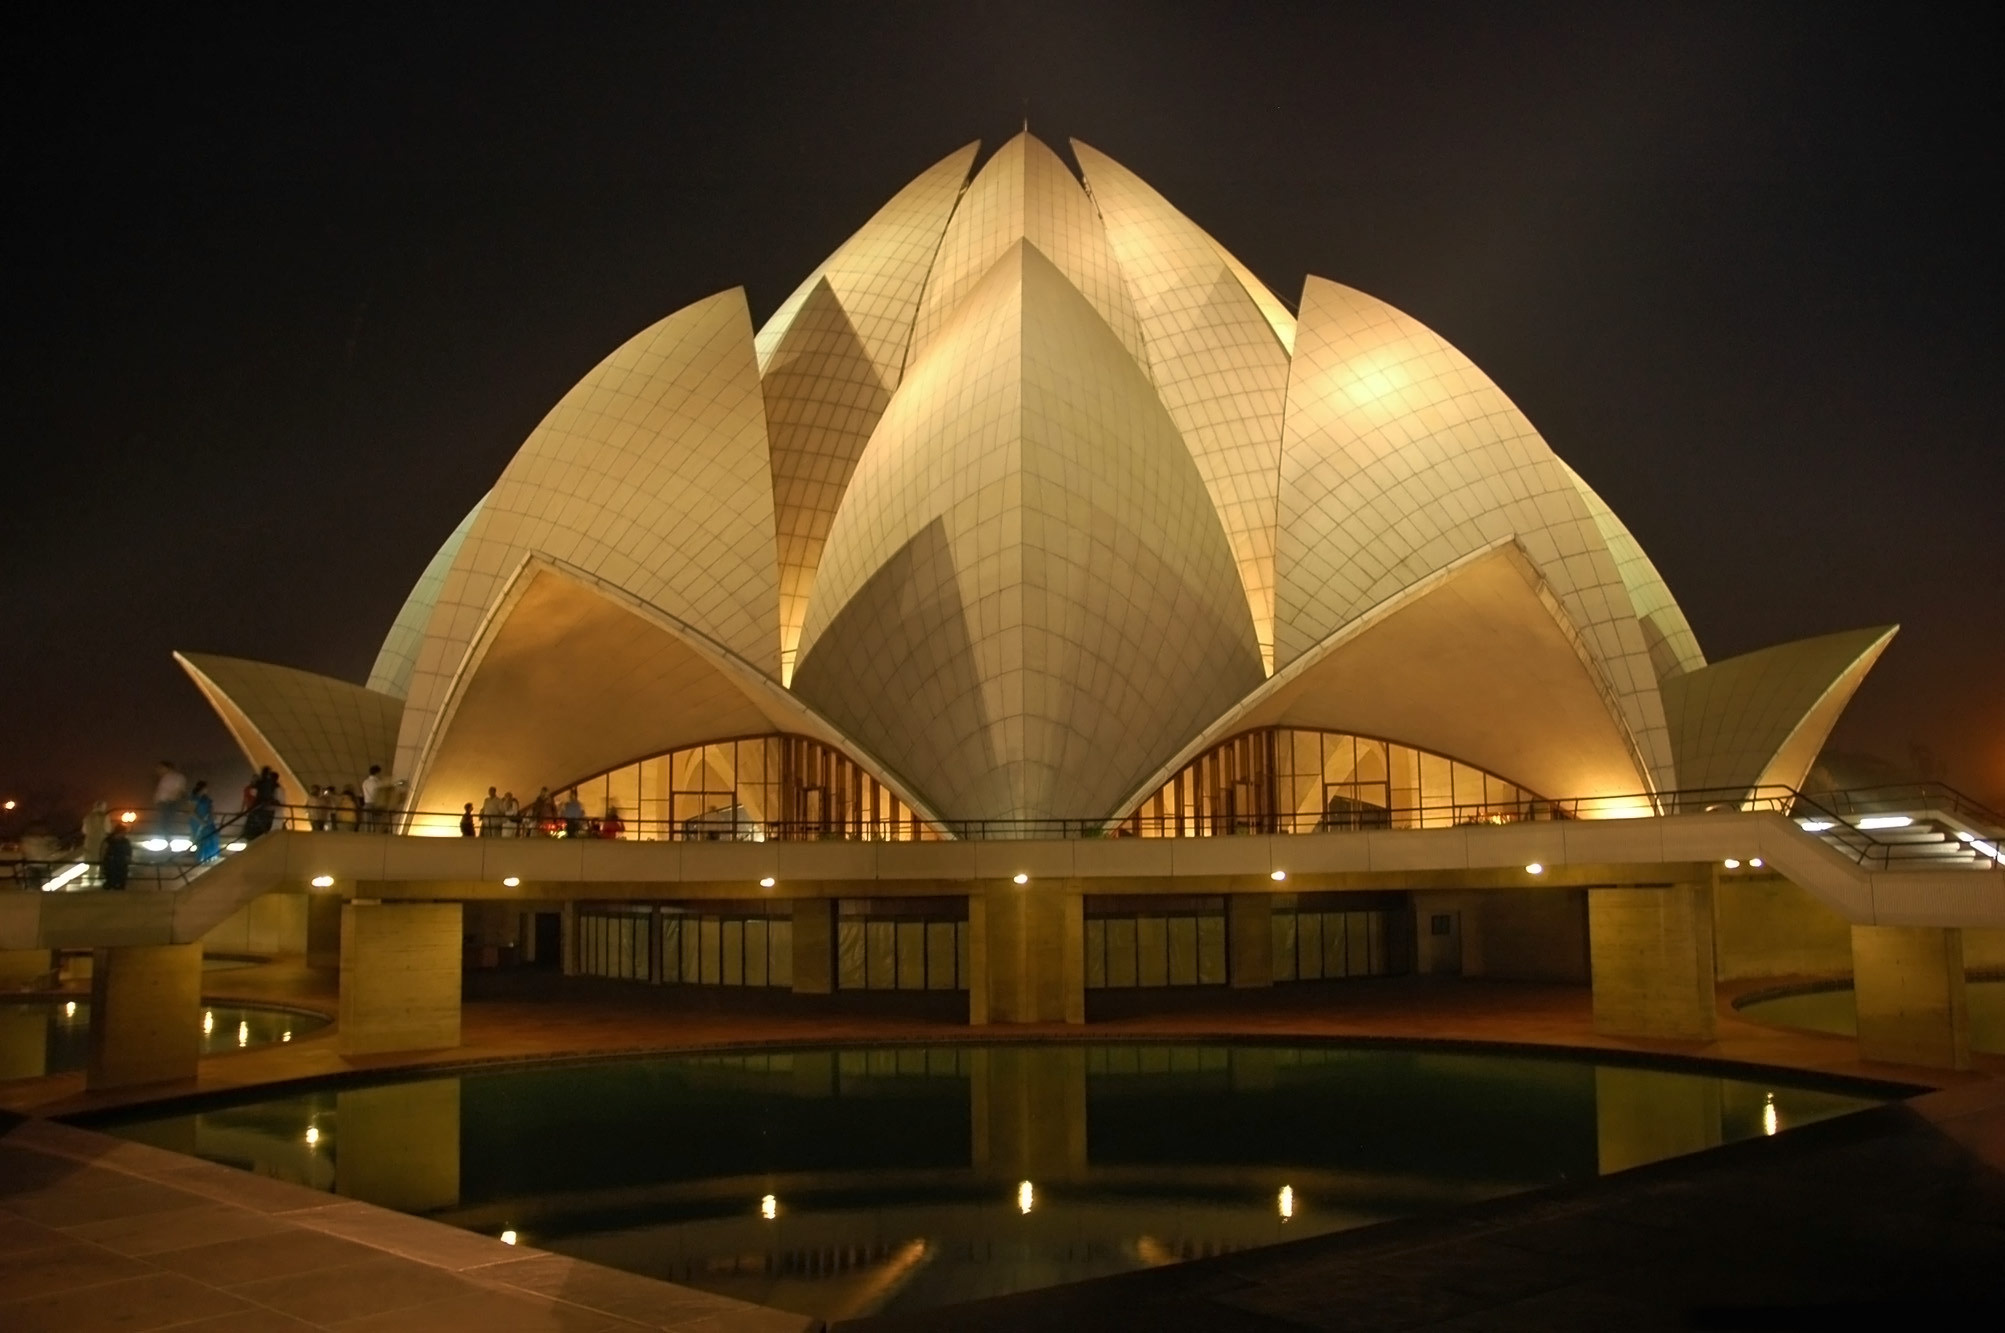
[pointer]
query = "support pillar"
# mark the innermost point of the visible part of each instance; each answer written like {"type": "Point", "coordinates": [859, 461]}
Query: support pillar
{"type": "Point", "coordinates": [1909, 985]}
{"type": "Point", "coordinates": [400, 977]}
{"type": "Point", "coordinates": [1652, 961]}
{"type": "Point", "coordinates": [1027, 1111]}
{"type": "Point", "coordinates": [146, 1015]}
{"type": "Point", "coordinates": [569, 916]}
{"type": "Point", "coordinates": [323, 930]}
{"type": "Point", "coordinates": [399, 1146]}
{"type": "Point", "coordinates": [1249, 935]}
{"type": "Point", "coordinates": [814, 946]}
{"type": "Point", "coordinates": [1027, 956]}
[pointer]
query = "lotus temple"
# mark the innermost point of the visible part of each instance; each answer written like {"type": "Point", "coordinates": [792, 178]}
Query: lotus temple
{"type": "Point", "coordinates": [1038, 677]}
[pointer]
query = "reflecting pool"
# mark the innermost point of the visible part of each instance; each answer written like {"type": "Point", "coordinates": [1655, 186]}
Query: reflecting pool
{"type": "Point", "coordinates": [841, 1182]}
{"type": "Point", "coordinates": [52, 1036]}
{"type": "Point", "coordinates": [1836, 1009]}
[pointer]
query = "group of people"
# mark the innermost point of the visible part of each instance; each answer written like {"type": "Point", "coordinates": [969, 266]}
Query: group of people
{"type": "Point", "coordinates": [502, 816]}
{"type": "Point", "coordinates": [365, 807]}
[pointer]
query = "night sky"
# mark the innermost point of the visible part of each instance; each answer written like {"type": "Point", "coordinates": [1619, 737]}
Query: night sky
{"type": "Point", "coordinates": [285, 292]}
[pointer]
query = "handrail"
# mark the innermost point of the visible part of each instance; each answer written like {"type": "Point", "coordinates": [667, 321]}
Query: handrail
{"type": "Point", "coordinates": [1835, 817]}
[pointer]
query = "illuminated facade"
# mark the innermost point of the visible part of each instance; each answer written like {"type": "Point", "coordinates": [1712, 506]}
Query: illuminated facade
{"type": "Point", "coordinates": [1033, 503]}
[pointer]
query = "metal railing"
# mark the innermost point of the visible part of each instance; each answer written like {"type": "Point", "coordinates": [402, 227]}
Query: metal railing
{"type": "Point", "coordinates": [165, 860]}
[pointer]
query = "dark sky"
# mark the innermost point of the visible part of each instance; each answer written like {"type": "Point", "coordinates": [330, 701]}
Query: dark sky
{"type": "Point", "coordinates": [285, 292]}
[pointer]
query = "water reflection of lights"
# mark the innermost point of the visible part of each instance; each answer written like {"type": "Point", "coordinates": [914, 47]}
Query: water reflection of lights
{"type": "Point", "coordinates": [1769, 1124]}
{"type": "Point", "coordinates": [243, 1034]}
{"type": "Point", "coordinates": [769, 1207]}
{"type": "Point", "coordinates": [285, 1036]}
{"type": "Point", "coordinates": [1026, 1196]}
{"type": "Point", "coordinates": [208, 1021]}
{"type": "Point", "coordinates": [70, 1009]}
{"type": "Point", "coordinates": [312, 1135]}
{"type": "Point", "coordinates": [1285, 1201]}
{"type": "Point", "coordinates": [508, 1238]}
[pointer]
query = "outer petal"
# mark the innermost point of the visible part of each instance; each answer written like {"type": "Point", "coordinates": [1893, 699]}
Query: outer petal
{"type": "Point", "coordinates": [1673, 646]}
{"type": "Point", "coordinates": [1761, 718]}
{"type": "Point", "coordinates": [570, 676]}
{"type": "Point", "coordinates": [1221, 371]}
{"type": "Point", "coordinates": [1027, 601]}
{"type": "Point", "coordinates": [314, 730]}
{"type": "Point", "coordinates": [1478, 662]}
{"type": "Point", "coordinates": [1024, 193]}
{"type": "Point", "coordinates": [650, 474]}
{"type": "Point", "coordinates": [398, 656]}
{"type": "Point", "coordinates": [1400, 457]}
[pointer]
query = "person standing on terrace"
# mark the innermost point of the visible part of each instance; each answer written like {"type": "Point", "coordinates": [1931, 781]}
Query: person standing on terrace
{"type": "Point", "coordinates": [169, 790]}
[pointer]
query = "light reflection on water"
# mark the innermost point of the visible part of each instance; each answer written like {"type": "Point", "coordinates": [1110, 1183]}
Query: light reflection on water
{"type": "Point", "coordinates": [842, 1182]}
{"type": "Point", "coordinates": [53, 1036]}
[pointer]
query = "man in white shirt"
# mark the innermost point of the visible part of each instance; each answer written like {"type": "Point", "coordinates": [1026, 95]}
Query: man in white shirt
{"type": "Point", "coordinates": [373, 788]}
{"type": "Point", "coordinates": [491, 814]}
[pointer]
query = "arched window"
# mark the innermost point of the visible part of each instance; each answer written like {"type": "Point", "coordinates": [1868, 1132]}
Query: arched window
{"type": "Point", "coordinates": [749, 789]}
{"type": "Point", "coordinates": [1296, 780]}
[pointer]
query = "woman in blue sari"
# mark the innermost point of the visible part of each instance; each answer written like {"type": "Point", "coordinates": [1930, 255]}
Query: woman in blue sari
{"type": "Point", "coordinates": [203, 824]}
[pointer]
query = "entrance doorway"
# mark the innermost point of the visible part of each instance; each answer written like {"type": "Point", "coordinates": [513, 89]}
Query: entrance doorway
{"type": "Point", "coordinates": [549, 951]}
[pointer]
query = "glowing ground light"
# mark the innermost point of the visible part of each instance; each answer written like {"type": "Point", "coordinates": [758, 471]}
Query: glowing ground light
{"type": "Point", "coordinates": [236, 847]}
{"type": "Point", "coordinates": [129, 817]}
{"type": "Point", "coordinates": [769, 1207]}
{"type": "Point", "coordinates": [1769, 1124]}
{"type": "Point", "coordinates": [1285, 1202]}
{"type": "Point", "coordinates": [312, 1135]}
{"type": "Point", "coordinates": [1026, 1197]}
{"type": "Point", "coordinates": [508, 1238]}
{"type": "Point", "coordinates": [9, 805]}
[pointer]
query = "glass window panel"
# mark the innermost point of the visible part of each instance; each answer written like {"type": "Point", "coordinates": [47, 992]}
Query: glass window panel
{"type": "Point", "coordinates": [1211, 950]}
{"type": "Point", "coordinates": [1371, 761]}
{"type": "Point", "coordinates": [850, 971]}
{"type": "Point", "coordinates": [756, 952]}
{"type": "Point", "coordinates": [1405, 785]}
{"type": "Point", "coordinates": [692, 950]}
{"type": "Point", "coordinates": [880, 955]}
{"type": "Point", "coordinates": [623, 796]}
{"type": "Point", "coordinates": [1183, 950]}
{"type": "Point", "coordinates": [780, 952]}
{"type": "Point", "coordinates": [1334, 961]}
{"type": "Point", "coordinates": [1284, 946]}
{"type": "Point", "coordinates": [1375, 943]}
{"type": "Point", "coordinates": [712, 960]}
{"type": "Point", "coordinates": [1096, 954]}
{"type": "Point", "coordinates": [1152, 951]}
{"type": "Point", "coordinates": [671, 948]}
{"type": "Point", "coordinates": [1357, 929]}
{"type": "Point", "coordinates": [732, 943]}
{"type": "Point", "coordinates": [1309, 945]}
{"type": "Point", "coordinates": [961, 955]}
{"type": "Point", "coordinates": [942, 966]}
{"type": "Point", "coordinates": [911, 955]}
{"type": "Point", "coordinates": [624, 950]}
{"type": "Point", "coordinates": [1121, 943]}
{"type": "Point", "coordinates": [1437, 791]}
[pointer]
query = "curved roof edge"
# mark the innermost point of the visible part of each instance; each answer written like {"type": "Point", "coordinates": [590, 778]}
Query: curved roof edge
{"type": "Point", "coordinates": [313, 730]}
{"type": "Point", "coordinates": [689, 662]}
{"type": "Point", "coordinates": [1278, 695]}
{"type": "Point", "coordinates": [398, 656]}
{"type": "Point", "coordinates": [1668, 636]}
{"type": "Point", "coordinates": [1761, 718]}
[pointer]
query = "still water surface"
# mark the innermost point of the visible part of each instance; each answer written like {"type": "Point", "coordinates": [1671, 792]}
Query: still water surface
{"type": "Point", "coordinates": [53, 1036]}
{"type": "Point", "coordinates": [842, 1182]}
{"type": "Point", "coordinates": [1837, 1010]}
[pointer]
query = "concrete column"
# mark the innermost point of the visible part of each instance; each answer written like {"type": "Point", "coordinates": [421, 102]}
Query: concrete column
{"type": "Point", "coordinates": [814, 946]}
{"type": "Point", "coordinates": [569, 914]}
{"type": "Point", "coordinates": [146, 1015]}
{"type": "Point", "coordinates": [323, 930]}
{"type": "Point", "coordinates": [1909, 984]}
{"type": "Point", "coordinates": [400, 977]}
{"type": "Point", "coordinates": [1249, 936]}
{"type": "Point", "coordinates": [24, 1041]}
{"type": "Point", "coordinates": [1027, 950]}
{"type": "Point", "coordinates": [1652, 956]}
{"type": "Point", "coordinates": [26, 969]}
